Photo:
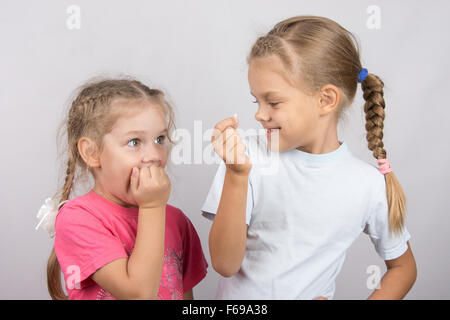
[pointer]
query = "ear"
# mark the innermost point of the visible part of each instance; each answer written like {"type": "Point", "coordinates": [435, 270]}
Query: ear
{"type": "Point", "coordinates": [89, 152]}
{"type": "Point", "coordinates": [329, 98]}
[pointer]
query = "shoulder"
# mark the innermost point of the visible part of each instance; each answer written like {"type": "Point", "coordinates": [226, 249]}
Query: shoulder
{"type": "Point", "coordinates": [75, 207]}
{"type": "Point", "coordinates": [77, 224]}
{"type": "Point", "coordinates": [363, 180]}
{"type": "Point", "coordinates": [76, 212]}
{"type": "Point", "coordinates": [367, 172]}
{"type": "Point", "coordinates": [368, 178]}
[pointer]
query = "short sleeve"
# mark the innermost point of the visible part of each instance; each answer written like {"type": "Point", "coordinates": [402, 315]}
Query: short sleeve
{"type": "Point", "coordinates": [194, 262]}
{"type": "Point", "coordinates": [388, 246]}
{"type": "Point", "coordinates": [211, 204]}
{"type": "Point", "coordinates": [82, 242]}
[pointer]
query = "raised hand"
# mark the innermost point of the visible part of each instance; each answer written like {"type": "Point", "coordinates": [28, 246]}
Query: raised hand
{"type": "Point", "coordinates": [150, 187]}
{"type": "Point", "coordinates": [229, 146]}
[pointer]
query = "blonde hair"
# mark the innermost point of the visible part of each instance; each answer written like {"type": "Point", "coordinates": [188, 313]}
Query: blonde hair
{"type": "Point", "coordinates": [323, 52]}
{"type": "Point", "coordinates": [92, 114]}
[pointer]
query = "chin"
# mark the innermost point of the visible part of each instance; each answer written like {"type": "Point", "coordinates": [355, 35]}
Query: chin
{"type": "Point", "coordinates": [125, 198]}
{"type": "Point", "coordinates": [129, 200]}
{"type": "Point", "coordinates": [277, 147]}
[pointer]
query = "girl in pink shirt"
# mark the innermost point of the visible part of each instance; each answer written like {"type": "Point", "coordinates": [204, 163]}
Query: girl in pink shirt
{"type": "Point", "coordinates": [122, 240]}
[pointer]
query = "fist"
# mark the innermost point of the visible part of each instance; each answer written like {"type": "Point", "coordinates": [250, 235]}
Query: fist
{"type": "Point", "coordinates": [229, 146]}
{"type": "Point", "coordinates": [150, 187]}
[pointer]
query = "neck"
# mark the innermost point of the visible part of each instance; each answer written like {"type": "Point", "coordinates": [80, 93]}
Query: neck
{"type": "Point", "coordinates": [325, 140]}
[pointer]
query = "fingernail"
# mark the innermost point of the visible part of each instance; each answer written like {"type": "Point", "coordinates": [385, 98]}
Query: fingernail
{"type": "Point", "coordinates": [235, 116]}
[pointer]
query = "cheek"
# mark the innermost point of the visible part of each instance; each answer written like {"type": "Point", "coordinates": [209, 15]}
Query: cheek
{"type": "Point", "coordinates": [297, 125]}
{"type": "Point", "coordinates": [164, 156]}
{"type": "Point", "coordinates": [291, 120]}
{"type": "Point", "coordinates": [118, 162]}
{"type": "Point", "coordinates": [302, 118]}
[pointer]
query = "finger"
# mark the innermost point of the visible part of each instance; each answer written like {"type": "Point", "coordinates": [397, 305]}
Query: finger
{"type": "Point", "coordinates": [218, 143]}
{"type": "Point", "coordinates": [134, 180]}
{"type": "Point", "coordinates": [160, 176]}
{"type": "Point", "coordinates": [223, 142]}
{"type": "Point", "coordinates": [222, 125]}
{"type": "Point", "coordinates": [237, 149]}
{"type": "Point", "coordinates": [229, 135]}
{"type": "Point", "coordinates": [149, 173]}
{"type": "Point", "coordinates": [144, 176]}
{"type": "Point", "coordinates": [215, 135]}
{"type": "Point", "coordinates": [155, 172]}
{"type": "Point", "coordinates": [231, 149]}
{"type": "Point", "coordinates": [236, 121]}
{"type": "Point", "coordinates": [228, 122]}
{"type": "Point", "coordinates": [241, 157]}
{"type": "Point", "coordinates": [231, 141]}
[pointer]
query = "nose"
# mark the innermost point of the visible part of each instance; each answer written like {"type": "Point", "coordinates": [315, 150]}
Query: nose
{"type": "Point", "coordinates": [150, 157]}
{"type": "Point", "coordinates": [262, 114]}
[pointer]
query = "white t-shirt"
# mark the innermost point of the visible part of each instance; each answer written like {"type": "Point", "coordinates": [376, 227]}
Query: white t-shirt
{"type": "Point", "coordinates": [303, 213]}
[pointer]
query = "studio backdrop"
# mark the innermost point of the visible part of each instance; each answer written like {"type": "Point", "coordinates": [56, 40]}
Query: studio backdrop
{"type": "Point", "coordinates": [195, 51]}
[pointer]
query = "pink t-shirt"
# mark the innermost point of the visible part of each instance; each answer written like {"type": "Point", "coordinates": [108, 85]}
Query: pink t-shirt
{"type": "Point", "coordinates": [92, 232]}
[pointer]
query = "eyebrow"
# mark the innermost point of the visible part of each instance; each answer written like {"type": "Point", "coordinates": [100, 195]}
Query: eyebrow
{"type": "Point", "coordinates": [267, 94]}
{"type": "Point", "coordinates": [137, 132]}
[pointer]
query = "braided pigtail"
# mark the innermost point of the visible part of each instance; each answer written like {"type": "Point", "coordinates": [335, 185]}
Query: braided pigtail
{"type": "Point", "coordinates": [372, 87]}
{"type": "Point", "coordinates": [54, 284]}
{"type": "Point", "coordinates": [80, 115]}
{"type": "Point", "coordinates": [317, 51]}
{"type": "Point", "coordinates": [92, 114]}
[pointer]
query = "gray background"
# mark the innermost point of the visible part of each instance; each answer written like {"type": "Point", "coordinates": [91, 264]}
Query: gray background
{"type": "Point", "coordinates": [196, 51]}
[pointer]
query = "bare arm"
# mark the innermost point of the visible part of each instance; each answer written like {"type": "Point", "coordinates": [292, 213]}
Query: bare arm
{"type": "Point", "coordinates": [227, 238]}
{"type": "Point", "coordinates": [138, 277]}
{"type": "Point", "coordinates": [188, 295]}
{"type": "Point", "coordinates": [399, 278]}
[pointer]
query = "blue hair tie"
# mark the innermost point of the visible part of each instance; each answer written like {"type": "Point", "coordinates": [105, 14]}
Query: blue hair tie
{"type": "Point", "coordinates": [362, 75]}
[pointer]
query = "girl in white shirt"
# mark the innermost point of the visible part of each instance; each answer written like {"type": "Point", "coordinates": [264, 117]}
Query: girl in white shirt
{"type": "Point", "coordinates": [283, 234]}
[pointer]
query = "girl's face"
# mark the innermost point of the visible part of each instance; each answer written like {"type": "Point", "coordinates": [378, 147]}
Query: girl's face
{"type": "Point", "coordinates": [286, 112]}
{"type": "Point", "coordinates": [137, 139]}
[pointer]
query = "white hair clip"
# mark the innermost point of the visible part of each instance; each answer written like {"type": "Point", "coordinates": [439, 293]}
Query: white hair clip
{"type": "Point", "coordinates": [47, 215]}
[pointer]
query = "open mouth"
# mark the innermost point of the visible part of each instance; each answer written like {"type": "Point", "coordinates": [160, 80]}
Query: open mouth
{"type": "Point", "coordinates": [272, 131]}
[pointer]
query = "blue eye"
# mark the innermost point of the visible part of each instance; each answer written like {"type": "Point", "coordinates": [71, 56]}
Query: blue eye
{"type": "Point", "coordinates": [160, 139]}
{"type": "Point", "coordinates": [133, 142]}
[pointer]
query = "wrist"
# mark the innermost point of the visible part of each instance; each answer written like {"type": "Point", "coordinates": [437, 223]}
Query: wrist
{"type": "Point", "coordinates": [238, 173]}
{"type": "Point", "coordinates": [150, 209]}
{"type": "Point", "coordinates": [237, 177]}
